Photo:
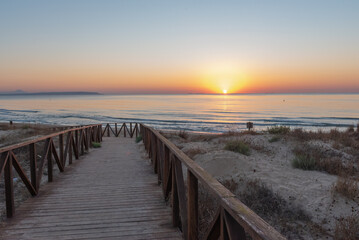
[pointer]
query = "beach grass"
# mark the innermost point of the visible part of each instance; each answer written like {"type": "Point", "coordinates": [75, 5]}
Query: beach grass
{"type": "Point", "coordinates": [138, 138]}
{"type": "Point", "coordinates": [278, 130]}
{"type": "Point", "coordinates": [96, 144]}
{"type": "Point", "coordinates": [304, 161]}
{"type": "Point", "coordinates": [238, 146]}
{"type": "Point", "coordinates": [347, 187]}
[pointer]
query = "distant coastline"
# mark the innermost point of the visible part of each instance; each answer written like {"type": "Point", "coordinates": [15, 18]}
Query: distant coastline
{"type": "Point", "coordinates": [20, 93]}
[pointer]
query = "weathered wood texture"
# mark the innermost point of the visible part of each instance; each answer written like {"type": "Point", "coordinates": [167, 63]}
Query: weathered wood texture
{"type": "Point", "coordinates": [111, 193]}
{"type": "Point", "coordinates": [234, 219]}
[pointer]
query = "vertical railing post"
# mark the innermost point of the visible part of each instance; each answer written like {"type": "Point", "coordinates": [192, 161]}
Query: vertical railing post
{"type": "Point", "coordinates": [9, 187]}
{"type": "Point", "coordinates": [131, 133]}
{"type": "Point", "coordinates": [82, 141]}
{"type": "Point", "coordinates": [61, 148]}
{"type": "Point", "coordinates": [192, 206]}
{"type": "Point", "coordinates": [100, 129]}
{"type": "Point", "coordinates": [49, 164]}
{"type": "Point", "coordinates": [88, 138]}
{"type": "Point", "coordinates": [108, 129]}
{"type": "Point", "coordinates": [33, 165]}
{"type": "Point", "coordinates": [166, 169]}
{"type": "Point", "coordinates": [116, 134]}
{"type": "Point", "coordinates": [174, 198]}
{"type": "Point", "coordinates": [70, 148]}
{"type": "Point", "coordinates": [77, 141]}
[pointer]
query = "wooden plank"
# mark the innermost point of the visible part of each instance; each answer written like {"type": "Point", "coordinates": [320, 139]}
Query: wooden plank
{"type": "Point", "coordinates": [22, 175]}
{"type": "Point", "coordinates": [83, 202]}
{"type": "Point", "coordinates": [9, 187]}
{"type": "Point", "coordinates": [192, 205]}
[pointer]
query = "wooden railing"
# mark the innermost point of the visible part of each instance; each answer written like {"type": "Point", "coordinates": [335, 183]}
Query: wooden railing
{"type": "Point", "coordinates": [114, 130]}
{"type": "Point", "coordinates": [233, 219]}
{"type": "Point", "coordinates": [78, 140]}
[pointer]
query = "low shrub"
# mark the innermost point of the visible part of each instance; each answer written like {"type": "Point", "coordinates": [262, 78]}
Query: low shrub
{"type": "Point", "coordinates": [96, 144]}
{"type": "Point", "coordinates": [138, 138]}
{"type": "Point", "coordinates": [347, 187]}
{"type": "Point", "coordinates": [183, 134]}
{"type": "Point", "coordinates": [278, 130]}
{"type": "Point", "coordinates": [305, 162]}
{"type": "Point", "coordinates": [238, 146]}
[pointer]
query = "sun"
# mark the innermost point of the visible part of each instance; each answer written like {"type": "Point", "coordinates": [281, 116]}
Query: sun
{"type": "Point", "coordinates": [224, 91]}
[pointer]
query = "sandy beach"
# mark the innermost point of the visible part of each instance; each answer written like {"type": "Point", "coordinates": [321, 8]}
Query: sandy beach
{"type": "Point", "coordinates": [300, 203]}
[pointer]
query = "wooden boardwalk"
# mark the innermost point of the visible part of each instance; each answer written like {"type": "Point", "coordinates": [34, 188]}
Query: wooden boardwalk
{"type": "Point", "coordinates": [110, 193]}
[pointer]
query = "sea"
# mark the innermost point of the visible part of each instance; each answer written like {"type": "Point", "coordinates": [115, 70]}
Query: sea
{"type": "Point", "coordinates": [190, 112]}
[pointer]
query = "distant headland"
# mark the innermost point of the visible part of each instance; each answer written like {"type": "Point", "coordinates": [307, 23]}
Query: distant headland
{"type": "Point", "coordinates": [23, 93]}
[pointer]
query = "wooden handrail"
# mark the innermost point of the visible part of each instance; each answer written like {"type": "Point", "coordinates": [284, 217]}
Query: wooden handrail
{"type": "Point", "coordinates": [76, 138]}
{"type": "Point", "coordinates": [233, 220]}
{"type": "Point", "coordinates": [132, 131]}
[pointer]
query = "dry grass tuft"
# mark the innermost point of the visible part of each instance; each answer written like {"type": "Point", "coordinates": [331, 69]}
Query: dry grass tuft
{"type": "Point", "coordinates": [347, 187]}
{"type": "Point", "coordinates": [194, 151]}
{"type": "Point", "coordinates": [183, 134]}
{"type": "Point", "coordinates": [238, 146]}
{"type": "Point", "coordinates": [347, 228]}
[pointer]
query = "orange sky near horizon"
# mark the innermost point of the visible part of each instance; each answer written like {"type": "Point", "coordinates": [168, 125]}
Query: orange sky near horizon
{"type": "Point", "coordinates": [179, 47]}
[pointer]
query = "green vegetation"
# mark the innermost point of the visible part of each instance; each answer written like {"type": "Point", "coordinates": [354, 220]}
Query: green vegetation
{"type": "Point", "coordinates": [96, 144]}
{"type": "Point", "coordinates": [304, 161]}
{"type": "Point", "coordinates": [274, 139]}
{"type": "Point", "coordinates": [238, 146]}
{"type": "Point", "coordinates": [138, 138]}
{"type": "Point", "coordinates": [278, 130]}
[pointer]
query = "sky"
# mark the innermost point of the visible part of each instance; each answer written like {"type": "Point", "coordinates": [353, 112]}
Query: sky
{"type": "Point", "coordinates": [153, 46]}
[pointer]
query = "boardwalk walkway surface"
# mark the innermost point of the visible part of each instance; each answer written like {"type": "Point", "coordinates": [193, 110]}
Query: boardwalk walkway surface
{"type": "Point", "coordinates": [110, 193]}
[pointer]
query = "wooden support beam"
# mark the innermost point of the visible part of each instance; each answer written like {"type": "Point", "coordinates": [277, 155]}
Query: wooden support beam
{"type": "Point", "coordinates": [22, 175]}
